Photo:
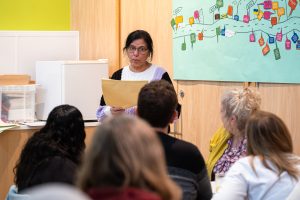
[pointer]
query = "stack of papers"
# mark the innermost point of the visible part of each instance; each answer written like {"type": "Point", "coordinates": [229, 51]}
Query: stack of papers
{"type": "Point", "coordinates": [5, 126]}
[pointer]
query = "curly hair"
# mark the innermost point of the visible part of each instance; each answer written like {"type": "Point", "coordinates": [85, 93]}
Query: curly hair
{"type": "Point", "coordinates": [63, 136]}
{"type": "Point", "coordinates": [240, 103]}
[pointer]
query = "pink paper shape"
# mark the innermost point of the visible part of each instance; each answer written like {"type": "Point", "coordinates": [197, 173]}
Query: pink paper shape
{"type": "Point", "coordinates": [267, 15]}
{"type": "Point", "coordinates": [196, 14]}
{"type": "Point", "coordinates": [246, 18]}
{"type": "Point", "coordinates": [287, 44]}
{"type": "Point", "coordinates": [267, 5]}
{"type": "Point", "coordinates": [252, 37]}
{"type": "Point", "coordinates": [279, 37]}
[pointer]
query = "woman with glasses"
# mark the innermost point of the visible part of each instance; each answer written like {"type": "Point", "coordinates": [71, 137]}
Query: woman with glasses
{"type": "Point", "coordinates": [139, 49]}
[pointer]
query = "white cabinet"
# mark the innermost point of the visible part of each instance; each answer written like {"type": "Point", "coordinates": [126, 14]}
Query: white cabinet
{"type": "Point", "coordinates": [77, 83]}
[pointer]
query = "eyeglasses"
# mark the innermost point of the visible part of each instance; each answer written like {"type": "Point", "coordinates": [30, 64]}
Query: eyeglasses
{"type": "Point", "coordinates": [141, 50]}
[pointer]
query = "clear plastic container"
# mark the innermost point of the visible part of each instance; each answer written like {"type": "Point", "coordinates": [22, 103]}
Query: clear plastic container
{"type": "Point", "coordinates": [18, 103]}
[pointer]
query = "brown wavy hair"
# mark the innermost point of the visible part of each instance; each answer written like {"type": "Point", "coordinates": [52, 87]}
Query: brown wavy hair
{"type": "Point", "coordinates": [269, 138]}
{"type": "Point", "coordinates": [126, 152]}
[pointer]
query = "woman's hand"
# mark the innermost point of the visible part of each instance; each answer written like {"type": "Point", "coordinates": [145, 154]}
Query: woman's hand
{"type": "Point", "coordinates": [117, 110]}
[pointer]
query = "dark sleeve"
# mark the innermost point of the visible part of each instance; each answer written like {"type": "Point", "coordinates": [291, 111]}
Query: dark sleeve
{"type": "Point", "coordinates": [54, 169]}
{"type": "Point", "coordinates": [204, 186]}
{"type": "Point", "coordinates": [116, 76]}
{"type": "Point", "coordinates": [166, 77]}
{"type": "Point", "coordinates": [196, 164]}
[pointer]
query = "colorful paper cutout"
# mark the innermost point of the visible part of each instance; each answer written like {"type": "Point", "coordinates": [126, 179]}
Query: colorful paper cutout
{"type": "Point", "coordinates": [288, 44]}
{"type": "Point", "coordinates": [267, 15]}
{"type": "Point", "coordinates": [218, 32]}
{"type": "Point", "coordinates": [252, 37]}
{"type": "Point", "coordinates": [267, 4]}
{"type": "Point", "coordinates": [260, 14]}
{"type": "Point", "coordinates": [223, 31]}
{"type": "Point", "coordinates": [266, 49]}
{"type": "Point", "coordinates": [246, 18]}
{"type": "Point", "coordinates": [292, 4]}
{"type": "Point", "coordinates": [261, 41]}
{"type": "Point", "coordinates": [295, 37]}
{"type": "Point", "coordinates": [279, 36]}
{"type": "Point", "coordinates": [191, 21]}
{"type": "Point", "coordinates": [229, 33]}
{"type": "Point", "coordinates": [277, 53]}
{"type": "Point", "coordinates": [230, 10]}
{"type": "Point", "coordinates": [196, 15]}
{"type": "Point", "coordinates": [183, 45]}
{"type": "Point", "coordinates": [236, 17]}
{"type": "Point", "coordinates": [200, 36]}
{"type": "Point", "coordinates": [298, 45]}
{"type": "Point", "coordinates": [273, 21]}
{"type": "Point", "coordinates": [193, 38]}
{"type": "Point", "coordinates": [275, 5]}
{"type": "Point", "coordinates": [271, 40]}
{"type": "Point", "coordinates": [219, 4]}
{"type": "Point", "coordinates": [178, 20]}
{"type": "Point", "coordinates": [173, 23]}
{"type": "Point", "coordinates": [280, 12]}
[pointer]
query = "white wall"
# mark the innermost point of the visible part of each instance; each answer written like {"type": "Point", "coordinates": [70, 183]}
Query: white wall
{"type": "Point", "coordinates": [19, 50]}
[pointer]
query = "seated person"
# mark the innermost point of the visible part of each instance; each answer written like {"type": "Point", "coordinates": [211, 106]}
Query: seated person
{"type": "Point", "coordinates": [53, 153]}
{"type": "Point", "coordinates": [229, 143]}
{"type": "Point", "coordinates": [157, 103]}
{"type": "Point", "coordinates": [126, 161]}
{"type": "Point", "coordinates": [271, 170]}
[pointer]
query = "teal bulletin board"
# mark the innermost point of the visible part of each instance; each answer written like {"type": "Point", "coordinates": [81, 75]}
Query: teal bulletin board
{"type": "Point", "coordinates": [236, 40]}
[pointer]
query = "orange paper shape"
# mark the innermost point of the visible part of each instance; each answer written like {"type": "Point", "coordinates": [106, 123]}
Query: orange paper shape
{"type": "Point", "coordinates": [200, 36]}
{"type": "Point", "coordinates": [292, 4]}
{"type": "Point", "coordinates": [275, 5]}
{"type": "Point", "coordinates": [266, 49]}
{"type": "Point", "coordinates": [274, 21]}
{"type": "Point", "coordinates": [229, 10]}
{"type": "Point", "coordinates": [261, 41]}
{"type": "Point", "coordinates": [260, 15]}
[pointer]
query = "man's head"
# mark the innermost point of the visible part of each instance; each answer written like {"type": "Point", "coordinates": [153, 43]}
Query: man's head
{"type": "Point", "coordinates": [157, 102]}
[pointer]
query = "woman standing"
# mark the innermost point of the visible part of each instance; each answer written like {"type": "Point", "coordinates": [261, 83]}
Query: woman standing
{"type": "Point", "coordinates": [139, 49]}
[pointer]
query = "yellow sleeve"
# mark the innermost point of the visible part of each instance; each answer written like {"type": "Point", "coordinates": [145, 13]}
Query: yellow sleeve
{"type": "Point", "coordinates": [217, 146]}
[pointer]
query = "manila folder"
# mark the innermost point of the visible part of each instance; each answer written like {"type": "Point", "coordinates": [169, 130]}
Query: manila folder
{"type": "Point", "coordinates": [120, 93]}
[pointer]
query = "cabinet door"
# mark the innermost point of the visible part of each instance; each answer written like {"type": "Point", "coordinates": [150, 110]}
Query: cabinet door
{"type": "Point", "coordinates": [98, 23]}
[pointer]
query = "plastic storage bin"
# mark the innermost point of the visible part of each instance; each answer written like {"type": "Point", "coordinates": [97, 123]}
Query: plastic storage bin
{"type": "Point", "coordinates": [18, 103]}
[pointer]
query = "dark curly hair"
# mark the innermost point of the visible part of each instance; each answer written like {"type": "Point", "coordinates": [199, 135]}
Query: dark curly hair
{"type": "Point", "coordinates": [62, 136]}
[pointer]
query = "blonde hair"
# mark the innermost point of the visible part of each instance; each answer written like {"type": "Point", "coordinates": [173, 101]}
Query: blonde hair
{"type": "Point", "coordinates": [269, 138]}
{"type": "Point", "coordinates": [126, 152]}
{"type": "Point", "coordinates": [240, 103]}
